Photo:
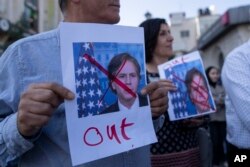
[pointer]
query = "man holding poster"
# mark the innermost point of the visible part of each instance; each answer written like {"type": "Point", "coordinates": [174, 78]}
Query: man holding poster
{"type": "Point", "coordinates": [32, 114]}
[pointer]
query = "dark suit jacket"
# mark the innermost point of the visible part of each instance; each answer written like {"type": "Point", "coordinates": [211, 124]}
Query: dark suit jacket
{"type": "Point", "coordinates": [143, 101]}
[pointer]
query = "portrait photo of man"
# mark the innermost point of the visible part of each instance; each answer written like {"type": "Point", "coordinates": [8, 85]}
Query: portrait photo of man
{"type": "Point", "coordinates": [124, 80]}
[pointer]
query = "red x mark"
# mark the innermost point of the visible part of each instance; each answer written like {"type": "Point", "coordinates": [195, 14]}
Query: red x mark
{"type": "Point", "coordinates": [198, 88]}
{"type": "Point", "coordinates": [114, 78]}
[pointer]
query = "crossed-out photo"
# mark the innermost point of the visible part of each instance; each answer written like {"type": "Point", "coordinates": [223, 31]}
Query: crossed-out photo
{"type": "Point", "coordinates": [109, 77]}
{"type": "Point", "coordinates": [193, 96]}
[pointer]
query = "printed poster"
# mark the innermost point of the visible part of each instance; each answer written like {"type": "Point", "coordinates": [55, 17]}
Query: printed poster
{"type": "Point", "coordinates": [193, 96]}
{"type": "Point", "coordinates": [104, 66]}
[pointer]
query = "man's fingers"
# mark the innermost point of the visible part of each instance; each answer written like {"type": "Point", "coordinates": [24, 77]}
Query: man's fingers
{"type": "Point", "coordinates": [59, 90]}
{"type": "Point", "coordinates": [151, 87]}
{"type": "Point", "coordinates": [35, 120]}
{"type": "Point", "coordinates": [158, 93]}
{"type": "Point", "coordinates": [37, 105]}
{"type": "Point", "coordinates": [158, 111]}
{"type": "Point", "coordinates": [43, 96]}
{"type": "Point", "coordinates": [159, 101]}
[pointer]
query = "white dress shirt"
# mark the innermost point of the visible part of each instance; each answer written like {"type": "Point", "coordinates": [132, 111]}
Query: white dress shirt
{"type": "Point", "coordinates": [134, 107]}
{"type": "Point", "coordinates": [236, 80]}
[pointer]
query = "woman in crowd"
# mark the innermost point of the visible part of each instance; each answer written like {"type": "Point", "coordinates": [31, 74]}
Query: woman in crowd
{"type": "Point", "coordinates": [217, 119]}
{"type": "Point", "coordinates": [177, 143]}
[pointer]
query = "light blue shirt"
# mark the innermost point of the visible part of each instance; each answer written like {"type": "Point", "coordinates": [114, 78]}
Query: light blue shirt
{"type": "Point", "coordinates": [236, 80]}
{"type": "Point", "coordinates": [32, 60]}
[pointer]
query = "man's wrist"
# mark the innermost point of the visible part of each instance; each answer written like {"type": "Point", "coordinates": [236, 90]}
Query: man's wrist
{"type": "Point", "coordinates": [34, 137]}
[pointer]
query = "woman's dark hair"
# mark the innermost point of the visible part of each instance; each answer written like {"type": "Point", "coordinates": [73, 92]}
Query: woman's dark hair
{"type": "Point", "coordinates": [151, 31]}
{"type": "Point", "coordinates": [62, 4]}
{"type": "Point", "coordinates": [211, 83]}
{"type": "Point", "coordinates": [189, 78]}
{"type": "Point", "coordinates": [116, 62]}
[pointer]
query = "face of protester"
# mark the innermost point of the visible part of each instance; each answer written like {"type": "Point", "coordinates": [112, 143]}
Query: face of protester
{"type": "Point", "coordinates": [129, 76]}
{"type": "Point", "coordinates": [95, 11]}
{"type": "Point", "coordinates": [214, 75]}
{"type": "Point", "coordinates": [164, 42]}
{"type": "Point", "coordinates": [199, 93]}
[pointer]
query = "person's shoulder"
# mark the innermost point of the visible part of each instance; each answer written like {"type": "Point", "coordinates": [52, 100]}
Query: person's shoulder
{"type": "Point", "coordinates": [238, 56]}
{"type": "Point", "coordinates": [37, 37]}
{"type": "Point", "coordinates": [241, 51]}
{"type": "Point", "coordinates": [33, 41]}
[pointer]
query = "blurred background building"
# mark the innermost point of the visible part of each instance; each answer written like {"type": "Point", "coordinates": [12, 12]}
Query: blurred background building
{"type": "Point", "coordinates": [228, 32]}
{"type": "Point", "coordinates": [186, 31]}
{"type": "Point", "coordinates": [21, 18]}
{"type": "Point", "coordinates": [212, 34]}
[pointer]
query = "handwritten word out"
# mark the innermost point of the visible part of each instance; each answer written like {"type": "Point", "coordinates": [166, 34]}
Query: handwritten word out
{"type": "Point", "coordinates": [93, 136]}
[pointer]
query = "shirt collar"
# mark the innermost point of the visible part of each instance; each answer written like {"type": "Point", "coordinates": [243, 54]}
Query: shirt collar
{"type": "Point", "coordinates": [133, 107]}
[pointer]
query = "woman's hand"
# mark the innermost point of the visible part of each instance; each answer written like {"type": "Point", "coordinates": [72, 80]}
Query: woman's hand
{"type": "Point", "coordinates": [157, 92]}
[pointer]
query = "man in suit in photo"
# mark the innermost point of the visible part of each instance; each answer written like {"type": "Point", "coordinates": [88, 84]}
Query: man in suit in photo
{"type": "Point", "coordinates": [125, 68]}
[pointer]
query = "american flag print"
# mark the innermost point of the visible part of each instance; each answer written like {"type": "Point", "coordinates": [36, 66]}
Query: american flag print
{"type": "Point", "coordinates": [178, 97]}
{"type": "Point", "coordinates": [89, 93]}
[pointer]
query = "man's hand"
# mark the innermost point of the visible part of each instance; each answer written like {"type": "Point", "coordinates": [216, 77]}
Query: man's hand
{"type": "Point", "coordinates": [37, 105]}
{"type": "Point", "coordinates": [157, 92]}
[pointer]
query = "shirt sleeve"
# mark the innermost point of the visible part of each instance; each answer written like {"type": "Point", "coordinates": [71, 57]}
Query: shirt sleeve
{"type": "Point", "coordinates": [236, 81]}
{"type": "Point", "coordinates": [12, 144]}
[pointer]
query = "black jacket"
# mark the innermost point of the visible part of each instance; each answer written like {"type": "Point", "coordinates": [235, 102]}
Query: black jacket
{"type": "Point", "coordinates": [143, 101]}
